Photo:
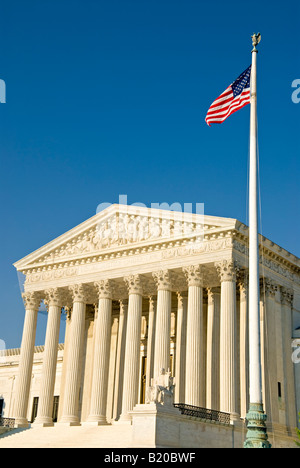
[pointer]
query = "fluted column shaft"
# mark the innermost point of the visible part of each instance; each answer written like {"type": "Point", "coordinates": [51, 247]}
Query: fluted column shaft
{"type": "Point", "coordinates": [163, 322]}
{"type": "Point", "coordinates": [72, 385]}
{"type": "Point", "coordinates": [213, 350]}
{"type": "Point", "coordinates": [101, 354]}
{"type": "Point", "coordinates": [32, 302]}
{"type": "Point", "coordinates": [132, 349]}
{"type": "Point", "coordinates": [287, 297]}
{"type": "Point", "coordinates": [195, 378]}
{"type": "Point", "coordinates": [228, 335]}
{"type": "Point", "coordinates": [244, 345]}
{"type": "Point", "coordinates": [120, 359]}
{"type": "Point", "coordinates": [180, 363]}
{"type": "Point", "coordinates": [151, 340]}
{"type": "Point", "coordinates": [45, 407]}
{"type": "Point", "coordinates": [269, 348]}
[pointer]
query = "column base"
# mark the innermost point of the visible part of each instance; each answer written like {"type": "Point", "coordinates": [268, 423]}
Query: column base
{"type": "Point", "coordinates": [257, 436]}
{"type": "Point", "coordinates": [234, 418]}
{"type": "Point", "coordinates": [43, 422]}
{"type": "Point", "coordinates": [69, 421]}
{"type": "Point", "coordinates": [96, 421]}
{"type": "Point", "coordinates": [21, 423]}
{"type": "Point", "coordinates": [124, 419]}
{"type": "Point", "coordinates": [69, 424]}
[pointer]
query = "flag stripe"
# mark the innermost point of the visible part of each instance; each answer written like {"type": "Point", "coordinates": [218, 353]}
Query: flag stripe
{"type": "Point", "coordinates": [223, 109]}
{"type": "Point", "coordinates": [221, 119]}
{"type": "Point", "coordinates": [235, 96]}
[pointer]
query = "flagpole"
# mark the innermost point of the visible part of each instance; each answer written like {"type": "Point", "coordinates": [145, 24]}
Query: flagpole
{"type": "Point", "coordinates": [257, 434]}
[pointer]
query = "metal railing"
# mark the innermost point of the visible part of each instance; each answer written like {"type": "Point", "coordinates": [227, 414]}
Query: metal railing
{"type": "Point", "coordinates": [7, 422]}
{"type": "Point", "coordinates": [203, 413]}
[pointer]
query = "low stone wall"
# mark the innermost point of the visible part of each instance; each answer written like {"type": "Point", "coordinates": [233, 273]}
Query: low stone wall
{"type": "Point", "coordinates": [162, 426]}
{"type": "Point", "coordinates": [155, 425]}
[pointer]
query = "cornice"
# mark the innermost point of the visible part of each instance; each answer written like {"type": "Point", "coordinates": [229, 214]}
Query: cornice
{"type": "Point", "coordinates": [188, 245]}
{"type": "Point", "coordinates": [271, 256]}
{"type": "Point", "coordinates": [63, 258]}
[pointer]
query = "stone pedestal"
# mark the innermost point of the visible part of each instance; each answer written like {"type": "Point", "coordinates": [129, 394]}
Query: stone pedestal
{"type": "Point", "coordinates": [155, 425]}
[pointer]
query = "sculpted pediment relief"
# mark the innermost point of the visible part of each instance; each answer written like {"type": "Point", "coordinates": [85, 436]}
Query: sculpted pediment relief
{"type": "Point", "coordinates": [119, 228]}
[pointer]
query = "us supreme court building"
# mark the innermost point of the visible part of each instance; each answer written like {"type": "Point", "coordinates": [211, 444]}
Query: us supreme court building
{"type": "Point", "coordinates": [154, 297]}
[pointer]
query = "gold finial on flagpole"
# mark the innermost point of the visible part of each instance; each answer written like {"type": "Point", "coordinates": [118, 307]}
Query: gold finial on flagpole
{"type": "Point", "coordinates": [256, 38]}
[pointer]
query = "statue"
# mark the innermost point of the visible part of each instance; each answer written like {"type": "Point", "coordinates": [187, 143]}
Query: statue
{"type": "Point", "coordinates": [162, 389]}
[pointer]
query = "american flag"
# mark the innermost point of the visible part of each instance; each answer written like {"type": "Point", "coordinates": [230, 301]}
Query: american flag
{"type": "Point", "coordinates": [236, 96]}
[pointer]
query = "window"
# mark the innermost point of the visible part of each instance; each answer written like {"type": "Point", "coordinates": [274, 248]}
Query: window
{"type": "Point", "coordinates": [1, 406]}
{"type": "Point", "coordinates": [34, 408]}
{"type": "Point", "coordinates": [55, 408]}
{"type": "Point", "coordinates": [143, 380]}
{"type": "Point", "coordinates": [279, 389]}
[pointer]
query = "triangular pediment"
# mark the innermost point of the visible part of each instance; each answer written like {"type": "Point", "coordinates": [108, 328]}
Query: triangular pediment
{"type": "Point", "coordinates": [121, 227]}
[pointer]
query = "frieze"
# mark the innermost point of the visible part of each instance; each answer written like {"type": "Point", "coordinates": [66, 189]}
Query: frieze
{"type": "Point", "coordinates": [160, 251]}
{"type": "Point", "coordinates": [196, 248]}
{"type": "Point", "coordinates": [50, 275]}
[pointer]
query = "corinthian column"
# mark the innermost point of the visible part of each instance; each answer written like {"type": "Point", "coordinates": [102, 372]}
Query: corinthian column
{"type": "Point", "coordinates": [45, 407]}
{"type": "Point", "coordinates": [72, 385]}
{"type": "Point", "coordinates": [120, 359]}
{"type": "Point", "coordinates": [132, 349]}
{"type": "Point", "coordinates": [228, 335]}
{"type": "Point", "coordinates": [195, 376]}
{"type": "Point", "coordinates": [244, 343]}
{"type": "Point", "coordinates": [151, 340]}
{"type": "Point", "coordinates": [31, 302]}
{"type": "Point", "coordinates": [213, 349]}
{"type": "Point", "coordinates": [101, 354]}
{"type": "Point", "coordinates": [163, 321]}
{"type": "Point", "coordinates": [180, 361]}
{"type": "Point", "coordinates": [269, 347]}
{"type": "Point", "coordinates": [287, 297]}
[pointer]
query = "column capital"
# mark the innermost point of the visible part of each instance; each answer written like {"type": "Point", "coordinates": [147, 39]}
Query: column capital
{"type": "Point", "coordinates": [152, 302]}
{"type": "Point", "coordinates": [104, 289]}
{"type": "Point", "coordinates": [194, 275]}
{"type": "Point", "coordinates": [163, 279]}
{"type": "Point", "coordinates": [227, 270]}
{"type": "Point", "coordinates": [286, 296]}
{"type": "Point", "coordinates": [123, 306]}
{"type": "Point", "coordinates": [54, 297]}
{"type": "Point", "coordinates": [242, 283]}
{"type": "Point", "coordinates": [181, 296]}
{"type": "Point", "coordinates": [211, 294]}
{"type": "Point", "coordinates": [134, 284]}
{"type": "Point", "coordinates": [268, 287]}
{"type": "Point", "coordinates": [242, 277]}
{"type": "Point", "coordinates": [79, 292]}
{"type": "Point", "coordinates": [32, 300]}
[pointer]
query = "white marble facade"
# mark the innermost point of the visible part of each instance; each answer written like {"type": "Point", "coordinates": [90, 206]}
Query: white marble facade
{"type": "Point", "coordinates": [147, 289]}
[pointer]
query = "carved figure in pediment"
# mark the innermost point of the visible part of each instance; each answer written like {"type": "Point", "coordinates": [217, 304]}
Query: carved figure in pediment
{"type": "Point", "coordinates": [155, 230]}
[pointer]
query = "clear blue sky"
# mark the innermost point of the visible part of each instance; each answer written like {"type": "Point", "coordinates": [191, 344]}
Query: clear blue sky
{"type": "Point", "coordinates": [109, 97]}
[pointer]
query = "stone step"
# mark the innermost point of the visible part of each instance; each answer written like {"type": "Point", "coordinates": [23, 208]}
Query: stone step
{"type": "Point", "coordinates": [112, 436]}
